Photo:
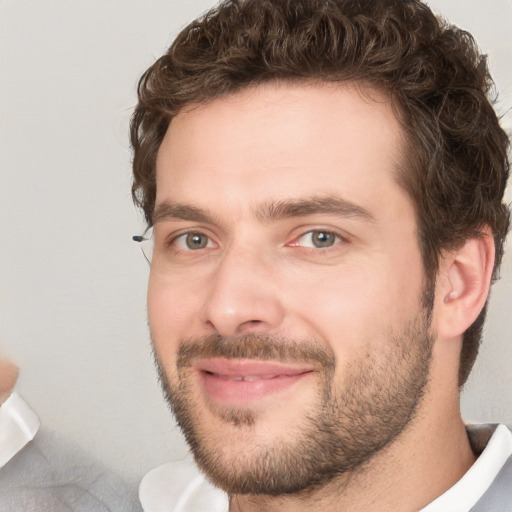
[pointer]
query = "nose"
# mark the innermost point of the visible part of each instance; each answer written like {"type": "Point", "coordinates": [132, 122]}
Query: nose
{"type": "Point", "coordinates": [243, 295]}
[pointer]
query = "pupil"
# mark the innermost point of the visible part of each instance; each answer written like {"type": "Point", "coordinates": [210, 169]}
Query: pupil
{"type": "Point", "coordinates": [322, 239]}
{"type": "Point", "coordinates": [196, 241]}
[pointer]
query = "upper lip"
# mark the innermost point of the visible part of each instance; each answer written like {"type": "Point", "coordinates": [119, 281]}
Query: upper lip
{"type": "Point", "coordinates": [249, 368]}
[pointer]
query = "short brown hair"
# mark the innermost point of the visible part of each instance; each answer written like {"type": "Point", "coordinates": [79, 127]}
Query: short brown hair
{"type": "Point", "coordinates": [456, 168]}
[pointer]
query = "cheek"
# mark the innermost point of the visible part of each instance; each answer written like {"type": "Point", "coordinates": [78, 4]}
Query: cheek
{"type": "Point", "coordinates": [172, 300]}
{"type": "Point", "coordinates": [169, 316]}
{"type": "Point", "coordinates": [357, 304]}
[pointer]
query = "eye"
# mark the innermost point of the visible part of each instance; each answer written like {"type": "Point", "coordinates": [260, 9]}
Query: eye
{"type": "Point", "coordinates": [193, 241]}
{"type": "Point", "coordinates": [318, 239]}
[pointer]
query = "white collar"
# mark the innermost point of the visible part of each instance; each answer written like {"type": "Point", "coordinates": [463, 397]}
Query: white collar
{"type": "Point", "coordinates": [180, 487]}
{"type": "Point", "coordinates": [472, 486]}
{"type": "Point", "coordinates": [18, 425]}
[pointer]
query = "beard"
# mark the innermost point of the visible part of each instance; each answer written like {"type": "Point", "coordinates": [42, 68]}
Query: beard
{"type": "Point", "coordinates": [348, 423]}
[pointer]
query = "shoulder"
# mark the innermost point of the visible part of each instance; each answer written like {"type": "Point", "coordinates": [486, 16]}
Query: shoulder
{"type": "Point", "coordinates": [49, 475]}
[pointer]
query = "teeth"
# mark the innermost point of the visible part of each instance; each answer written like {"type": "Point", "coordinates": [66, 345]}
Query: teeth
{"type": "Point", "coordinates": [249, 378]}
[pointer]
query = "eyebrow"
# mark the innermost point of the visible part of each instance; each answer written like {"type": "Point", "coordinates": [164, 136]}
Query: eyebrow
{"type": "Point", "coordinates": [168, 211]}
{"type": "Point", "coordinates": [276, 210]}
{"type": "Point", "coordinates": [268, 212]}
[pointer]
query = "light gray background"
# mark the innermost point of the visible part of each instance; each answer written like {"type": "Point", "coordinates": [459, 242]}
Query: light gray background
{"type": "Point", "coordinates": [72, 294]}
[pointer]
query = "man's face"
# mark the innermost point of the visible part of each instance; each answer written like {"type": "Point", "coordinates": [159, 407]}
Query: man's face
{"type": "Point", "coordinates": [286, 290]}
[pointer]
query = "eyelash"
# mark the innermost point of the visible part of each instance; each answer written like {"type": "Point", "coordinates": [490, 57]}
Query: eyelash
{"type": "Point", "coordinates": [175, 239]}
{"type": "Point", "coordinates": [338, 238]}
{"type": "Point", "coordinates": [328, 233]}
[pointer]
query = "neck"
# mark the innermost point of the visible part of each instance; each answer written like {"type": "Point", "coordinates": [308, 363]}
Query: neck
{"type": "Point", "coordinates": [429, 457]}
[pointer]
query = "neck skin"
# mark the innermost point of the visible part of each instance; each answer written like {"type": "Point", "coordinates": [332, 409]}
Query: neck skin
{"type": "Point", "coordinates": [428, 458]}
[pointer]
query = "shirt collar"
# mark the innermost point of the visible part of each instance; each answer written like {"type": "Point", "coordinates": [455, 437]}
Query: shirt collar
{"type": "Point", "coordinates": [493, 445]}
{"type": "Point", "coordinates": [18, 425]}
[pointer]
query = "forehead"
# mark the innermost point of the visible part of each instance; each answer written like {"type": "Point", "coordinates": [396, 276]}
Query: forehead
{"type": "Point", "coordinates": [277, 141]}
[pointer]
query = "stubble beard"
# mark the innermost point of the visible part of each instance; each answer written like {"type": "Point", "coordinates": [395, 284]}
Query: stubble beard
{"type": "Point", "coordinates": [379, 397]}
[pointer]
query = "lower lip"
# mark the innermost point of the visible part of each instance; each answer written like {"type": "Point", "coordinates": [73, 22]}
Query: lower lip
{"type": "Point", "coordinates": [240, 392]}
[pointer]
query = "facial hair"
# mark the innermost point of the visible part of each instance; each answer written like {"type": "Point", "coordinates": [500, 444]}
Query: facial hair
{"type": "Point", "coordinates": [351, 422]}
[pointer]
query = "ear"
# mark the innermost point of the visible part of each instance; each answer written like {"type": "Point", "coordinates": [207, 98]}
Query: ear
{"type": "Point", "coordinates": [463, 284]}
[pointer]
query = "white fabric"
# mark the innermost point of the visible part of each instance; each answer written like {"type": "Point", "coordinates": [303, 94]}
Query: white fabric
{"type": "Point", "coordinates": [179, 487]}
{"type": "Point", "coordinates": [18, 425]}
{"type": "Point", "coordinates": [471, 487]}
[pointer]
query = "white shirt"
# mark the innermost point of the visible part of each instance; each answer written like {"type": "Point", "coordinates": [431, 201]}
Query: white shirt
{"type": "Point", "coordinates": [179, 487]}
{"type": "Point", "coordinates": [18, 425]}
{"type": "Point", "coordinates": [472, 486]}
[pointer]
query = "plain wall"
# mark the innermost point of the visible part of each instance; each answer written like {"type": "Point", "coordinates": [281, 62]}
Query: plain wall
{"type": "Point", "coordinates": [72, 283]}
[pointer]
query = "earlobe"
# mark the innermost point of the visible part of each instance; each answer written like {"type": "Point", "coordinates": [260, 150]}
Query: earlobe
{"type": "Point", "coordinates": [464, 284]}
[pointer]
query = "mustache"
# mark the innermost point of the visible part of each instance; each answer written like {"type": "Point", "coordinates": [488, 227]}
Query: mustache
{"type": "Point", "coordinates": [255, 346]}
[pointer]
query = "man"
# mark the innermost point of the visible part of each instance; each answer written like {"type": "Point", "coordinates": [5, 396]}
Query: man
{"type": "Point", "coordinates": [324, 180]}
{"type": "Point", "coordinates": [42, 474]}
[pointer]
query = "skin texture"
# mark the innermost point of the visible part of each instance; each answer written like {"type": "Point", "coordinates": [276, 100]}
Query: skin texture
{"type": "Point", "coordinates": [245, 191]}
{"type": "Point", "coordinates": [8, 377]}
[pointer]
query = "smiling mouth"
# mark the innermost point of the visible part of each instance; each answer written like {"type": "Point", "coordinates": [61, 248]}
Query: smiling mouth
{"type": "Point", "coordinates": [247, 378]}
{"type": "Point", "coordinates": [239, 382]}
{"type": "Point", "coordinates": [248, 370]}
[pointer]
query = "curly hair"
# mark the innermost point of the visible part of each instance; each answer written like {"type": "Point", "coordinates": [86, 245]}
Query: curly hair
{"type": "Point", "coordinates": [456, 166]}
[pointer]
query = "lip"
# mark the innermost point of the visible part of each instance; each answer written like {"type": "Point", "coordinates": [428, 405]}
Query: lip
{"type": "Point", "coordinates": [244, 381]}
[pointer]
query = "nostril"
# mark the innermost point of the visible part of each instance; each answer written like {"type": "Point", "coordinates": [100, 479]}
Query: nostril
{"type": "Point", "coordinates": [251, 326]}
{"type": "Point", "coordinates": [252, 323]}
